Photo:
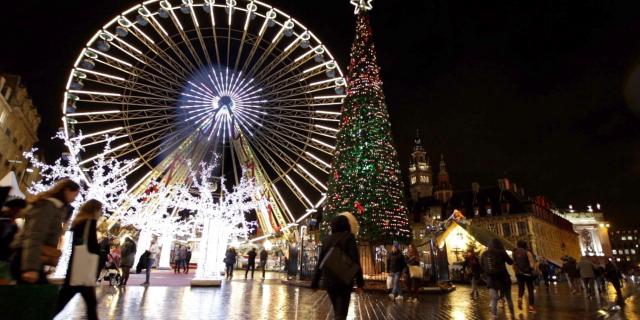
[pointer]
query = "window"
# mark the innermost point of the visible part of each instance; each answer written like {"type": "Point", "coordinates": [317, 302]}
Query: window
{"type": "Point", "coordinates": [633, 251]}
{"type": "Point", "coordinates": [623, 238]}
{"type": "Point", "coordinates": [626, 251]}
{"type": "Point", "coordinates": [413, 180]}
{"type": "Point", "coordinates": [412, 168]}
{"type": "Point", "coordinates": [492, 227]}
{"type": "Point", "coordinates": [506, 229]}
{"type": "Point", "coordinates": [489, 211]}
{"type": "Point", "coordinates": [523, 228]}
{"type": "Point", "coordinates": [423, 167]}
{"type": "Point", "coordinates": [614, 251]}
{"type": "Point", "coordinates": [424, 179]}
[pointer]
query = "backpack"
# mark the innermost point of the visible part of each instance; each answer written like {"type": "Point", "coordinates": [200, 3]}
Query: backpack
{"type": "Point", "coordinates": [521, 260]}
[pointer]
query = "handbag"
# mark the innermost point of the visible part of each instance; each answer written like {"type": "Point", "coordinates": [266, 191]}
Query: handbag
{"type": "Point", "coordinates": [340, 265]}
{"type": "Point", "coordinates": [85, 264]}
{"type": "Point", "coordinates": [389, 282]}
{"type": "Point", "coordinates": [415, 272]}
{"type": "Point", "coordinates": [50, 255]}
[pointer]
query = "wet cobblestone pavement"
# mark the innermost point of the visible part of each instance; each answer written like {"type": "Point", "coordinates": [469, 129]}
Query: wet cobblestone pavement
{"type": "Point", "coordinates": [255, 299]}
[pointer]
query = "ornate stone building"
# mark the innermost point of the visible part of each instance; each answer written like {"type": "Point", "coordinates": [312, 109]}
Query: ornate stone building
{"type": "Point", "coordinates": [19, 121]}
{"type": "Point", "coordinates": [592, 229]}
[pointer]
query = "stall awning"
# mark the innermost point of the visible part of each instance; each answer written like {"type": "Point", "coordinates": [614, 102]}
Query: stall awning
{"type": "Point", "coordinates": [10, 180]}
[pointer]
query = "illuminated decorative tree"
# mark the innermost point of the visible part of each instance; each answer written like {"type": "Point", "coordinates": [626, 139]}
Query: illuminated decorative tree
{"type": "Point", "coordinates": [104, 181]}
{"type": "Point", "coordinates": [365, 174]}
{"type": "Point", "coordinates": [222, 218]}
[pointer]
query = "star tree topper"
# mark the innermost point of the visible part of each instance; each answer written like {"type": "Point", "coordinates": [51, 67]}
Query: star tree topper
{"type": "Point", "coordinates": [364, 5]}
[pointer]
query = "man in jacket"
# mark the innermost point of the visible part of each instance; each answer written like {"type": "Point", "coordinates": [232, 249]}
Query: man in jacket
{"type": "Point", "coordinates": [251, 262]}
{"type": "Point", "coordinates": [396, 264]}
{"type": "Point", "coordinates": [264, 255]}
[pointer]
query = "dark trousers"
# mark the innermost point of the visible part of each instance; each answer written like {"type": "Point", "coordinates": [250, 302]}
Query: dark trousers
{"type": "Point", "coordinates": [88, 294]}
{"type": "Point", "coordinates": [528, 281]}
{"type": "Point", "coordinates": [229, 271]}
{"type": "Point", "coordinates": [617, 286]}
{"type": "Point", "coordinates": [263, 265]}
{"type": "Point", "coordinates": [126, 270]}
{"type": "Point", "coordinates": [340, 298]}
{"type": "Point", "coordinates": [251, 266]}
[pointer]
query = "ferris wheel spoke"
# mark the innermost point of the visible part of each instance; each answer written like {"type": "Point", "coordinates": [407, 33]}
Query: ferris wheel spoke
{"type": "Point", "coordinates": [170, 43]}
{"type": "Point", "coordinates": [267, 53]}
{"type": "Point", "coordinates": [196, 23]}
{"type": "Point", "coordinates": [125, 85]}
{"type": "Point", "coordinates": [286, 143]}
{"type": "Point", "coordinates": [185, 38]}
{"type": "Point", "coordinates": [284, 177]}
{"type": "Point", "coordinates": [170, 64]}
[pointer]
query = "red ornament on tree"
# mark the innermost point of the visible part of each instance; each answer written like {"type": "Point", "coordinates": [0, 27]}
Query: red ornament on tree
{"type": "Point", "coordinates": [359, 207]}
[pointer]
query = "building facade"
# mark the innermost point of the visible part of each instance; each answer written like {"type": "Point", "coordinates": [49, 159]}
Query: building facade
{"type": "Point", "coordinates": [19, 121]}
{"type": "Point", "coordinates": [625, 245]}
{"type": "Point", "coordinates": [503, 209]}
{"type": "Point", "coordinates": [592, 230]}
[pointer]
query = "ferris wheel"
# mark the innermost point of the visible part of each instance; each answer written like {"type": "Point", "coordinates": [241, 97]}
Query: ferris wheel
{"type": "Point", "coordinates": [179, 82]}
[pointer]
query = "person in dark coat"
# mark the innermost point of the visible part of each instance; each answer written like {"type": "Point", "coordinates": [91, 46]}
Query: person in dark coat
{"type": "Point", "coordinates": [87, 214]}
{"type": "Point", "coordinates": [525, 266]}
{"type": "Point", "coordinates": [128, 258]}
{"type": "Point", "coordinates": [264, 255]}
{"type": "Point", "coordinates": [43, 227]}
{"type": "Point", "coordinates": [188, 260]}
{"type": "Point", "coordinates": [493, 263]}
{"type": "Point", "coordinates": [396, 264]}
{"type": "Point", "coordinates": [613, 275]}
{"type": "Point", "coordinates": [339, 293]}
{"type": "Point", "coordinates": [143, 261]}
{"type": "Point", "coordinates": [8, 231]}
{"type": "Point", "coordinates": [229, 261]}
{"type": "Point", "coordinates": [251, 262]}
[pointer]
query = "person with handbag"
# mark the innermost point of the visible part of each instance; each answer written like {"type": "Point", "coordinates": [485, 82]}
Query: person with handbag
{"type": "Point", "coordinates": [525, 267]}
{"type": "Point", "coordinates": [37, 244]}
{"type": "Point", "coordinates": [339, 266]}
{"type": "Point", "coordinates": [151, 261]}
{"type": "Point", "coordinates": [84, 259]}
{"type": "Point", "coordinates": [494, 264]}
{"type": "Point", "coordinates": [415, 273]}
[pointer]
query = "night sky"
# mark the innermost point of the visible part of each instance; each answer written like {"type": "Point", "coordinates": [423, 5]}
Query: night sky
{"type": "Point", "coordinates": [546, 93]}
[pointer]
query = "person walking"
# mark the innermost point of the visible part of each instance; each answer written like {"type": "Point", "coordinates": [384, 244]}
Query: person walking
{"type": "Point", "coordinates": [104, 245]}
{"type": "Point", "coordinates": [128, 258]}
{"type": "Point", "coordinates": [8, 231]}
{"type": "Point", "coordinates": [251, 262]}
{"type": "Point", "coordinates": [587, 275]}
{"type": "Point", "coordinates": [44, 219]}
{"type": "Point", "coordinates": [188, 260]}
{"type": "Point", "coordinates": [151, 260]}
{"type": "Point", "coordinates": [415, 277]}
{"type": "Point", "coordinates": [545, 272]}
{"type": "Point", "coordinates": [396, 264]}
{"type": "Point", "coordinates": [264, 255]}
{"type": "Point", "coordinates": [525, 266]}
{"type": "Point", "coordinates": [494, 261]}
{"type": "Point", "coordinates": [182, 257]}
{"type": "Point", "coordinates": [473, 269]}
{"type": "Point", "coordinates": [613, 275]}
{"type": "Point", "coordinates": [570, 270]}
{"type": "Point", "coordinates": [339, 282]}
{"type": "Point", "coordinates": [84, 233]}
{"type": "Point", "coordinates": [230, 260]}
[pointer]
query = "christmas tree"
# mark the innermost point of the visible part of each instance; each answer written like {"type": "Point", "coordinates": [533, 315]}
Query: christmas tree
{"type": "Point", "coordinates": [365, 174]}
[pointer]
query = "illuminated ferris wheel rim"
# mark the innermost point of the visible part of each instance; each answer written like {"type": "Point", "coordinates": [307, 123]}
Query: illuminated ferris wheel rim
{"type": "Point", "coordinates": [323, 123]}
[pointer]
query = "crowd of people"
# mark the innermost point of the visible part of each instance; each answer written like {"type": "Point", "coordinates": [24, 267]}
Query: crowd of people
{"type": "Point", "coordinates": [27, 252]}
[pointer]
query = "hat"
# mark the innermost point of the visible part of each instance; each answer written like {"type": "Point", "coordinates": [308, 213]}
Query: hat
{"type": "Point", "coordinates": [353, 222]}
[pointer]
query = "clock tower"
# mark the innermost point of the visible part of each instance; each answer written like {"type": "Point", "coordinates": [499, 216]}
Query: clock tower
{"type": "Point", "coordinates": [420, 176]}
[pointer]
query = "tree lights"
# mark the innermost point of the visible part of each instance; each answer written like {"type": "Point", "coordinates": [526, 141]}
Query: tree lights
{"type": "Point", "coordinates": [365, 175]}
